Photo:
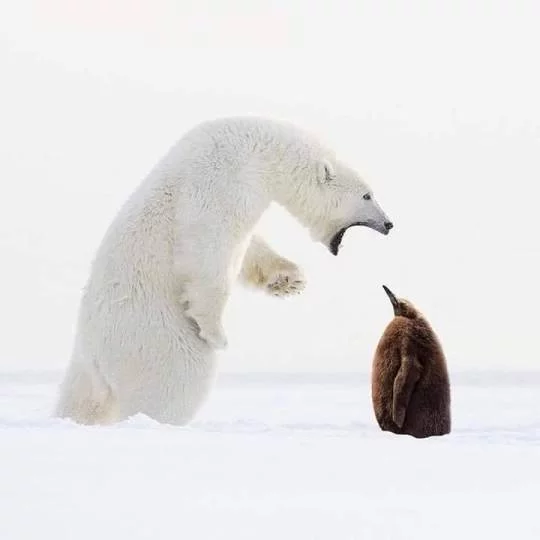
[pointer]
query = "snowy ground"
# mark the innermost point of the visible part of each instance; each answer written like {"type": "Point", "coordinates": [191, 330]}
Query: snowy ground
{"type": "Point", "coordinates": [274, 457]}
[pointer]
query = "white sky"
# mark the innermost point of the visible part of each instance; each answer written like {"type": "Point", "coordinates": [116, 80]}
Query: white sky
{"type": "Point", "coordinates": [437, 103]}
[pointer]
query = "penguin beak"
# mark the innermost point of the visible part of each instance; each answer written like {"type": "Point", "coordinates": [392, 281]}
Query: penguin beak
{"type": "Point", "coordinates": [393, 299]}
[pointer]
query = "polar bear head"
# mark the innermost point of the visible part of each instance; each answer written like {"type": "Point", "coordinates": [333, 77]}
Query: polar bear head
{"type": "Point", "coordinates": [343, 200]}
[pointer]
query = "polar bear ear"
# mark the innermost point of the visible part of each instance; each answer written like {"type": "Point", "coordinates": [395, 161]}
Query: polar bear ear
{"type": "Point", "coordinates": [326, 172]}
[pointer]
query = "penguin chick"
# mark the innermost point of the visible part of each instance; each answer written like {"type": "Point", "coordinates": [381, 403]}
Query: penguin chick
{"type": "Point", "coordinates": [410, 384]}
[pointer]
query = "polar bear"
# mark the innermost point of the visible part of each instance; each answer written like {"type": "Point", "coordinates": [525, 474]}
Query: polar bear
{"type": "Point", "coordinates": [150, 318]}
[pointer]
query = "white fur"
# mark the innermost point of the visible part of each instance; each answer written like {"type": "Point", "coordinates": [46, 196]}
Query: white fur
{"type": "Point", "coordinates": [150, 319]}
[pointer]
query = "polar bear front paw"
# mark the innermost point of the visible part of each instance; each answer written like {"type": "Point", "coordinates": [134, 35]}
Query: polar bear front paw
{"type": "Point", "coordinates": [216, 340]}
{"type": "Point", "coordinates": [208, 331]}
{"type": "Point", "coordinates": [286, 282]}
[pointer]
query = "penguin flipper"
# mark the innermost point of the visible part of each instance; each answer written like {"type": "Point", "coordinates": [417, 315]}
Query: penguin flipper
{"type": "Point", "coordinates": [404, 383]}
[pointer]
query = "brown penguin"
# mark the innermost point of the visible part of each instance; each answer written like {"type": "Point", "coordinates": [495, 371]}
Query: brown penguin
{"type": "Point", "coordinates": [409, 384]}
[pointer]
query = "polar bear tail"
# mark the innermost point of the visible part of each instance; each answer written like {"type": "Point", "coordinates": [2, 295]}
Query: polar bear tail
{"type": "Point", "coordinates": [85, 397]}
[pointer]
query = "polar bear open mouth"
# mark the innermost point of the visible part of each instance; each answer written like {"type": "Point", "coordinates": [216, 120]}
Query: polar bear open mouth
{"type": "Point", "coordinates": [335, 242]}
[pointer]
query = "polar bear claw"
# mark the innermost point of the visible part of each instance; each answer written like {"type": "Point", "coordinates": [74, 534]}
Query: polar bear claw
{"type": "Point", "coordinates": [286, 282]}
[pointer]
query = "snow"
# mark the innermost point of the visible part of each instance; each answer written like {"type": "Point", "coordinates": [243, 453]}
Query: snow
{"type": "Point", "coordinates": [274, 456]}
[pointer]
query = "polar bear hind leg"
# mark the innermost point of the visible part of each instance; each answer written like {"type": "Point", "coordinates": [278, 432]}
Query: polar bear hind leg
{"type": "Point", "coordinates": [264, 269]}
{"type": "Point", "coordinates": [85, 397]}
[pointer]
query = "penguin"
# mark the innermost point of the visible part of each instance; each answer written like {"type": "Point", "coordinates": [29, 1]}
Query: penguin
{"type": "Point", "coordinates": [410, 386]}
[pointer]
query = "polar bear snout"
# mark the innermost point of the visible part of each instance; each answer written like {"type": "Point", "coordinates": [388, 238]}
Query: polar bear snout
{"type": "Point", "coordinates": [383, 228]}
{"type": "Point", "coordinates": [376, 217]}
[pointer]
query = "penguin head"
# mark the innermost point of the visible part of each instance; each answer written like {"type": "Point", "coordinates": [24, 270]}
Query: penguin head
{"type": "Point", "coordinates": [402, 307]}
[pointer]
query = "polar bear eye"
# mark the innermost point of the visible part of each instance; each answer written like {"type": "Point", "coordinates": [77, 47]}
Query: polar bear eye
{"type": "Point", "coordinates": [367, 197]}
